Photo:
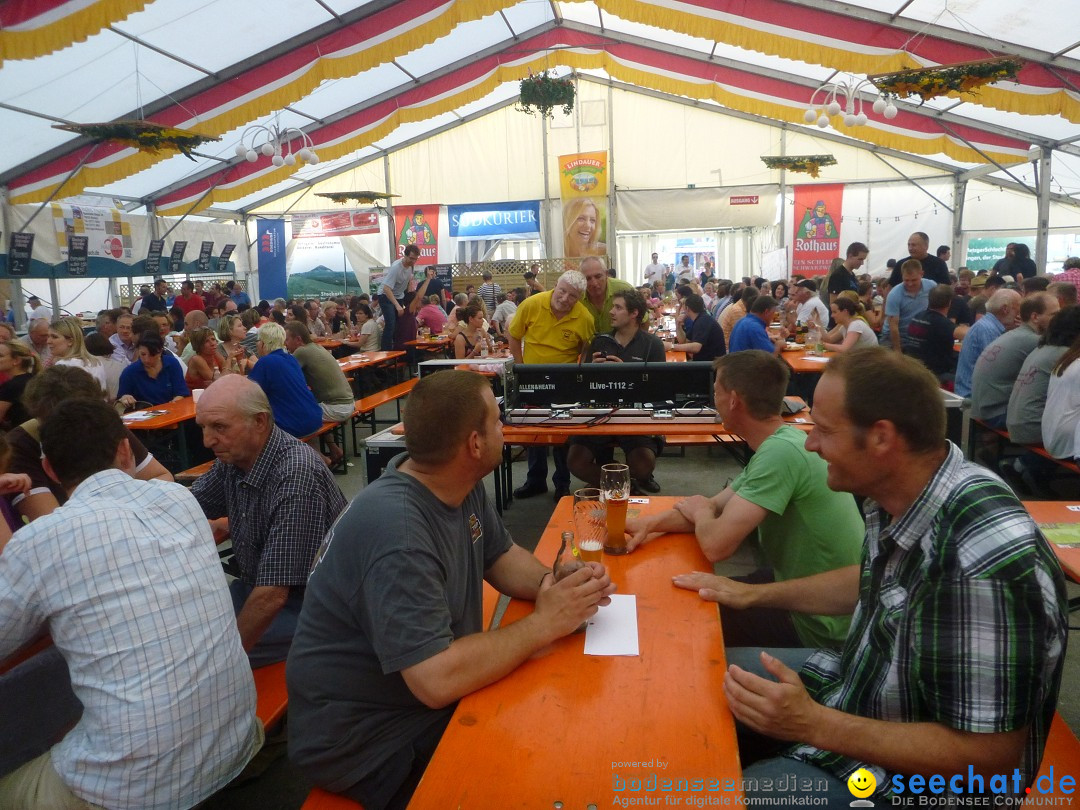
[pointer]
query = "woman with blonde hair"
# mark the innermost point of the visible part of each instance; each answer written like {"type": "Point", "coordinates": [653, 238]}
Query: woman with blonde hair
{"type": "Point", "coordinates": [20, 364]}
{"type": "Point", "coordinates": [231, 333]}
{"type": "Point", "coordinates": [581, 229]}
{"type": "Point", "coordinates": [68, 349]}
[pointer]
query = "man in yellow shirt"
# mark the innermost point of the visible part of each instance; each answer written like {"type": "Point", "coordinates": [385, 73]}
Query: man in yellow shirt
{"type": "Point", "coordinates": [551, 327]}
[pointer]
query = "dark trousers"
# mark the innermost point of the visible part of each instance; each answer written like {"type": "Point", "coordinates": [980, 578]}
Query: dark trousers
{"type": "Point", "coordinates": [274, 644]}
{"type": "Point", "coordinates": [758, 627]}
{"type": "Point", "coordinates": [537, 457]}
{"type": "Point", "coordinates": [391, 785]}
{"type": "Point", "coordinates": [389, 313]}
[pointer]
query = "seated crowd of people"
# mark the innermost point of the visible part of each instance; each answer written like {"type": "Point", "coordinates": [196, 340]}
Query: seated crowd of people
{"type": "Point", "coordinates": [915, 628]}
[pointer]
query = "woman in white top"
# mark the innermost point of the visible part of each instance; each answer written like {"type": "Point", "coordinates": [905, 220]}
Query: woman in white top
{"type": "Point", "coordinates": [368, 334]}
{"type": "Point", "coordinates": [851, 327]}
{"type": "Point", "coordinates": [68, 349]}
{"type": "Point", "coordinates": [1061, 416]}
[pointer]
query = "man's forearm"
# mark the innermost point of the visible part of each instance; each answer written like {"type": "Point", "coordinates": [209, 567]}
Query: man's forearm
{"type": "Point", "coordinates": [917, 748]}
{"type": "Point", "coordinates": [517, 573]}
{"type": "Point", "coordinates": [894, 332]}
{"type": "Point", "coordinates": [262, 605]}
{"type": "Point", "coordinates": [830, 593]}
{"type": "Point", "coordinates": [515, 349]}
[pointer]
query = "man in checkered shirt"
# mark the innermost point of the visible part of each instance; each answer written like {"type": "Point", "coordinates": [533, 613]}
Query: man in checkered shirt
{"type": "Point", "coordinates": [954, 656]}
{"type": "Point", "coordinates": [275, 498]}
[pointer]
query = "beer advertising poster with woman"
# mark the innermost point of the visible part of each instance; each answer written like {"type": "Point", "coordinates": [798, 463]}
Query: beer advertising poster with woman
{"type": "Point", "coordinates": [583, 181]}
{"type": "Point", "coordinates": [817, 228]}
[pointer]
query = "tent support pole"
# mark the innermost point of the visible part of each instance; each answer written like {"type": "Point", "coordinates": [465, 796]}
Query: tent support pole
{"type": "Point", "coordinates": [611, 236]}
{"type": "Point", "coordinates": [959, 203]}
{"type": "Point", "coordinates": [1042, 234]}
{"type": "Point", "coordinates": [783, 199]}
{"type": "Point", "coordinates": [54, 294]}
{"type": "Point", "coordinates": [547, 190]}
{"type": "Point", "coordinates": [390, 211]}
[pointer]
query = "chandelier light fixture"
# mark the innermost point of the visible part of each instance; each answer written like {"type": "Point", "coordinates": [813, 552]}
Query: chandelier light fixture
{"type": "Point", "coordinates": [277, 144]}
{"type": "Point", "coordinates": [832, 98]}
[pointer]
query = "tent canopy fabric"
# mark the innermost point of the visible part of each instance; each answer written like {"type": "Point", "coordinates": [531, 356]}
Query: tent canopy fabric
{"type": "Point", "coordinates": [359, 77]}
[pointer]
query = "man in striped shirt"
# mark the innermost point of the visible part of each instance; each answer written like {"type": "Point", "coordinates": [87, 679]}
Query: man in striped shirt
{"type": "Point", "coordinates": [954, 656]}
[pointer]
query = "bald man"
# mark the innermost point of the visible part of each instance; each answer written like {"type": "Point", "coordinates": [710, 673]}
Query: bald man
{"type": "Point", "coordinates": [275, 498]}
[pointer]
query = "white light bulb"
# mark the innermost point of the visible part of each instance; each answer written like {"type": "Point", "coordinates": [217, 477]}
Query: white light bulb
{"type": "Point", "coordinates": [833, 108]}
{"type": "Point", "coordinates": [241, 150]}
{"type": "Point", "coordinates": [879, 105]}
{"type": "Point", "coordinates": [860, 119]}
{"type": "Point", "coordinates": [313, 159]}
{"type": "Point", "coordinates": [267, 149]}
{"type": "Point", "coordinates": [849, 120]}
{"type": "Point", "coordinates": [810, 116]}
{"type": "Point", "coordinates": [278, 160]}
{"type": "Point", "coordinates": [251, 156]}
{"type": "Point", "coordinates": [305, 155]}
{"type": "Point", "coordinates": [290, 160]}
{"type": "Point", "coordinates": [823, 121]}
{"type": "Point", "coordinates": [891, 111]}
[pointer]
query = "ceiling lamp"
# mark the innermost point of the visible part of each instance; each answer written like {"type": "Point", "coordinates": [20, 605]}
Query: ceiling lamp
{"type": "Point", "coordinates": [278, 145]}
{"type": "Point", "coordinates": [832, 98]}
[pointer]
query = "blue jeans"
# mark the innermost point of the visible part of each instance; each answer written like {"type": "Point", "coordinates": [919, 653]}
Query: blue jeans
{"type": "Point", "coordinates": [389, 313]}
{"type": "Point", "coordinates": [537, 457]}
{"type": "Point", "coordinates": [274, 644]}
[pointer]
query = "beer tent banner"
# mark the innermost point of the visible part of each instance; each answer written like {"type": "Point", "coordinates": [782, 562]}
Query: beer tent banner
{"type": "Point", "coordinates": [817, 217]}
{"type": "Point", "coordinates": [583, 183]}
{"type": "Point", "coordinates": [417, 225]}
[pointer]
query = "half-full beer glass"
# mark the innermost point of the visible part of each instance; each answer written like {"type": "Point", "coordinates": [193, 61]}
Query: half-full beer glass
{"type": "Point", "coordinates": [615, 484]}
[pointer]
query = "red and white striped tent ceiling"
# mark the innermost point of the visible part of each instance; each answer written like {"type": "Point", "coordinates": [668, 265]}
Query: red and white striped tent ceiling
{"type": "Point", "coordinates": [359, 77]}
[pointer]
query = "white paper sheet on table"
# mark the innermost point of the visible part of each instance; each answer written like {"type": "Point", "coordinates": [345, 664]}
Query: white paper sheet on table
{"type": "Point", "coordinates": [613, 630]}
{"type": "Point", "coordinates": [140, 416]}
{"type": "Point", "coordinates": [810, 359]}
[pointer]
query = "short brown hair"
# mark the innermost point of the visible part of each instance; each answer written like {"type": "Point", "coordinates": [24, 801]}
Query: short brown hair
{"type": "Point", "coordinates": [299, 331]}
{"type": "Point", "coordinates": [882, 385]}
{"type": "Point", "coordinates": [441, 412]}
{"type": "Point", "coordinates": [634, 302]}
{"type": "Point", "coordinates": [54, 385]}
{"type": "Point", "coordinates": [910, 266]}
{"type": "Point", "coordinates": [759, 378]}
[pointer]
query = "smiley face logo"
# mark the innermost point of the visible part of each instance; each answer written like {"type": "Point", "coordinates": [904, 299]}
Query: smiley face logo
{"type": "Point", "coordinates": [861, 783]}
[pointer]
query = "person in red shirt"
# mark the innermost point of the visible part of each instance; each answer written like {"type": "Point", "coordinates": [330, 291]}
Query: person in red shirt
{"type": "Point", "coordinates": [188, 301]}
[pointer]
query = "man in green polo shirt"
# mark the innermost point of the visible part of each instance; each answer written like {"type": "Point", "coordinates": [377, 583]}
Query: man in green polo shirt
{"type": "Point", "coordinates": [599, 290]}
{"type": "Point", "coordinates": [803, 527]}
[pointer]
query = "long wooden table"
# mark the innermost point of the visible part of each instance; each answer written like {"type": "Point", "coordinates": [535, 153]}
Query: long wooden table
{"type": "Point", "coordinates": [1059, 512]}
{"type": "Point", "coordinates": [564, 727]}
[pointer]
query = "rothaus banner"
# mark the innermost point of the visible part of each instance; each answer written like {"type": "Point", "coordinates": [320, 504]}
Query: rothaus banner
{"type": "Point", "coordinates": [818, 209]}
{"type": "Point", "coordinates": [485, 220]}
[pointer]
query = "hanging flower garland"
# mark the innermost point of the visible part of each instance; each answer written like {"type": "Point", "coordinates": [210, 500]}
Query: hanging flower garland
{"type": "Point", "coordinates": [542, 92]}
{"type": "Point", "coordinates": [811, 164]}
{"type": "Point", "coordinates": [362, 197]}
{"type": "Point", "coordinates": [963, 77]}
{"type": "Point", "coordinates": [142, 135]}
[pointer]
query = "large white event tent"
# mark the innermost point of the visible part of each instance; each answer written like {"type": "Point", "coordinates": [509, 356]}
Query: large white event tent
{"type": "Point", "coordinates": [418, 98]}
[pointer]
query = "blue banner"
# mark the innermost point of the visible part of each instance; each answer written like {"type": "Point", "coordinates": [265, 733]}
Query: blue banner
{"type": "Point", "coordinates": [483, 220]}
{"type": "Point", "coordinates": [270, 234]}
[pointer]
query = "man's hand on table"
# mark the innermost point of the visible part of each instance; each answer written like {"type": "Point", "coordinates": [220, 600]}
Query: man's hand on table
{"type": "Point", "coordinates": [696, 508]}
{"type": "Point", "coordinates": [565, 604]}
{"type": "Point", "coordinates": [639, 532]}
{"type": "Point", "coordinates": [220, 529]}
{"type": "Point", "coordinates": [712, 588]}
{"type": "Point", "coordinates": [781, 709]}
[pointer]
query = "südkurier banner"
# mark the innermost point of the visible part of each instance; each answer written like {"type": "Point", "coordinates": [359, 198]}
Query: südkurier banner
{"type": "Point", "coordinates": [483, 220]}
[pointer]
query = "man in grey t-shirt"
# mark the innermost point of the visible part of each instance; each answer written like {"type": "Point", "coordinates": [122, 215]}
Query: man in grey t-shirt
{"type": "Point", "coordinates": [391, 633]}
{"type": "Point", "coordinates": [999, 364]}
{"type": "Point", "coordinates": [392, 293]}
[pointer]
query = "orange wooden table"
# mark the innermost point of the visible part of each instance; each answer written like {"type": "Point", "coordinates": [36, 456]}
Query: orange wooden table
{"type": "Point", "coordinates": [171, 415]}
{"type": "Point", "coordinates": [367, 359]}
{"type": "Point", "coordinates": [431, 343]}
{"type": "Point", "coordinates": [1058, 512]}
{"type": "Point", "coordinates": [803, 363]}
{"type": "Point", "coordinates": [564, 727]}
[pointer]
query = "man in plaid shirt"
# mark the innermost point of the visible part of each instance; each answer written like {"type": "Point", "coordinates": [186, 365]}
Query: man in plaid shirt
{"type": "Point", "coordinates": [954, 656]}
{"type": "Point", "coordinates": [275, 498]}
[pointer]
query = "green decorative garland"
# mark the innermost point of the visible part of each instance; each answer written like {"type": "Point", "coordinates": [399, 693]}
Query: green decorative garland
{"type": "Point", "coordinates": [362, 197]}
{"type": "Point", "coordinates": [963, 77]}
{"type": "Point", "coordinates": [811, 164]}
{"type": "Point", "coordinates": [142, 135]}
{"type": "Point", "coordinates": [541, 93]}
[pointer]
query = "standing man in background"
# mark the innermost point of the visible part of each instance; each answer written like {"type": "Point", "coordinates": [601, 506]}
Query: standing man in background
{"type": "Point", "coordinates": [392, 293]}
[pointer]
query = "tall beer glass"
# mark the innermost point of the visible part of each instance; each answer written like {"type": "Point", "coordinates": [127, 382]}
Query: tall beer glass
{"type": "Point", "coordinates": [615, 484]}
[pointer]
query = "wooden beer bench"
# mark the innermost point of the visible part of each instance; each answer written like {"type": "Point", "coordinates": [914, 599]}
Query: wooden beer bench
{"type": "Point", "coordinates": [364, 412]}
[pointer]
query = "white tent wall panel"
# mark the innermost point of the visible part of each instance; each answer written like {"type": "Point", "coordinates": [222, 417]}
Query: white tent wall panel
{"type": "Point", "coordinates": [991, 208]}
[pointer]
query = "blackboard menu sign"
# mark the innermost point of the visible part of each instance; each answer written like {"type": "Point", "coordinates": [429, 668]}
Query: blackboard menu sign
{"type": "Point", "coordinates": [176, 260]}
{"type": "Point", "coordinates": [77, 255]}
{"type": "Point", "coordinates": [205, 251]}
{"type": "Point", "coordinates": [153, 256]}
{"type": "Point", "coordinates": [226, 252]}
{"type": "Point", "coordinates": [19, 249]}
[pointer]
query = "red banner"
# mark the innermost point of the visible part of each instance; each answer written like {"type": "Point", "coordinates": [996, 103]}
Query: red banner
{"type": "Point", "coordinates": [334, 223]}
{"type": "Point", "coordinates": [817, 228]}
{"type": "Point", "coordinates": [418, 225]}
